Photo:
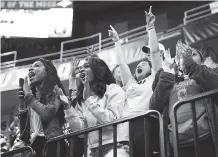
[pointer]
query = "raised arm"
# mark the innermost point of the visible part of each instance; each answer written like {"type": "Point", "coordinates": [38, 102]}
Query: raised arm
{"type": "Point", "coordinates": [126, 74]}
{"type": "Point", "coordinates": [45, 111]}
{"type": "Point", "coordinates": [153, 41]}
{"type": "Point", "coordinates": [207, 78]}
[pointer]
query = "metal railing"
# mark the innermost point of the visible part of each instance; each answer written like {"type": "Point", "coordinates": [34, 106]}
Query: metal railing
{"type": "Point", "coordinates": [198, 13]}
{"type": "Point", "coordinates": [17, 151]}
{"type": "Point", "coordinates": [115, 123]}
{"type": "Point", "coordinates": [9, 64]}
{"type": "Point", "coordinates": [192, 100]}
{"type": "Point", "coordinates": [132, 35]}
{"type": "Point", "coordinates": [78, 51]}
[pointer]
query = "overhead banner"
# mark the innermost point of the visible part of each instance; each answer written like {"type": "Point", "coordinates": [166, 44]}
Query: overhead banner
{"type": "Point", "coordinates": [36, 19]}
{"type": "Point", "coordinates": [201, 30]}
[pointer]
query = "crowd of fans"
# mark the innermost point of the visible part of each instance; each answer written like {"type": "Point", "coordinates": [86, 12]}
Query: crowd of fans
{"type": "Point", "coordinates": [98, 95]}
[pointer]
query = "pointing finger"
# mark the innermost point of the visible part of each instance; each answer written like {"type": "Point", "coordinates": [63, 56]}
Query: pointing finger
{"type": "Point", "coordinates": [150, 9]}
{"type": "Point", "coordinates": [112, 28]}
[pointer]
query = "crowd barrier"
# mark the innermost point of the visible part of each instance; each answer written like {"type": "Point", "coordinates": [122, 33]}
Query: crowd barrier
{"type": "Point", "coordinates": [209, 95]}
{"type": "Point", "coordinates": [17, 151]}
{"type": "Point", "coordinates": [85, 133]}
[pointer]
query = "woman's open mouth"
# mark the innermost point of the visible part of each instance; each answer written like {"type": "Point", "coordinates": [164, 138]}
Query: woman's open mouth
{"type": "Point", "coordinates": [82, 76]}
{"type": "Point", "coordinates": [139, 70]}
{"type": "Point", "coordinates": [31, 75]}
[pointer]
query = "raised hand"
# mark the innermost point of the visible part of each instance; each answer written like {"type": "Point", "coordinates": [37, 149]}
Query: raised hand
{"type": "Point", "coordinates": [113, 34]}
{"type": "Point", "coordinates": [183, 49]}
{"type": "Point", "coordinates": [167, 64]}
{"type": "Point", "coordinates": [150, 18]}
{"type": "Point", "coordinates": [91, 51]}
{"type": "Point", "coordinates": [26, 87]}
{"type": "Point", "coordinates": [73, 68]}
{"type": "Point", "coordinates": [62, 97]}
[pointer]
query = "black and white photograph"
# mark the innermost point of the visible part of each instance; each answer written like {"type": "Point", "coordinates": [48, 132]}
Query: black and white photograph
{"type": "Point", "coordinates": [83, 78]}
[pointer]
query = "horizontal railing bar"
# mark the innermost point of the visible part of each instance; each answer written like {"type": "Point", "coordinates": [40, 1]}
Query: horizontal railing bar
{"type": "Point", "coordinates": [194, 98]}
{"type": "Point", "coordinates": [8, 62]}
{"type": "Point", "coordinates": [81, 48]}
{"type": "Point", "coordinates": [170, 36]}
{"type": "Point", "coordinates": [136, 29]}
{"type": "Point", "coordinates": [19, 150]}
{"type": "Point", "coordinates": [142, 33]}
{"type": "Point", "coordinates": [8, 53]}
{"type": "Point", "coordinates": [122, 120]}
{"type": "Point", "coordinates": [36, 57]}
{"type": "Point", "coordinates": [79, 39]}
{"type": "Point", "coordinates": [7, 66]}
{"type": "Point", "coordinates": [198, 13]}
{"type": "Point", "coordinates": [194, 9]}
{"type": "Point", "coordinates": [198, 18]}
{"type": "Point", "coordinates": [75, 53]}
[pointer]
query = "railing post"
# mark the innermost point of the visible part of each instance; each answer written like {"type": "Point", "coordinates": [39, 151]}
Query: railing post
{"type": "Point", "coordinates": [195, 129]}
{"type": "Point", "coordinates": [100, 143]}
{"type": "Point", "coordinates": [99, 46]}
{"type": "Point", "coordinates": [215, 123]}
{"type": "Point", "coordinates": [85, 144]}
{"type": "Point", "coordinates": [146, 136]}
{"type": "Point", "coordinates": [62, 49]}
{"type": "Point", "coordinates": [115, 139]}
{"type": "Point", "coordinates": [131, 139]}
{"type": "Point", "coordinates": [71, 146]}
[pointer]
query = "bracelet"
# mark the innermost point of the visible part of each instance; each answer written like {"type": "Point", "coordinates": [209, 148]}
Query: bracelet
{"type": "Point", "coordinates": [149, 27]}
{"type": "Point", "coordinates": [116, 41]}
{"type": "Point", "coordinates": [28, 97]}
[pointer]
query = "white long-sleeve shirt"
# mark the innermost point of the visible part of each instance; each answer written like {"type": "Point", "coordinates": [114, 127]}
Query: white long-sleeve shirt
{"type": "Point", "coordinates": [97, 111]}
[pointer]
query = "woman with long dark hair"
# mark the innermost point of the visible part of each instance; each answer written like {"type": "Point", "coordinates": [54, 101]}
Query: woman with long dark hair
{"type": "Point", "coordinates": [41, 114]}
{"type": "Point", "coordinates": [99, 100]}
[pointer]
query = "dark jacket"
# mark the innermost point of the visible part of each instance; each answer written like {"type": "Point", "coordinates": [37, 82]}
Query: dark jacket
{"type": "Point", "coordinates": [208, 79]}
{"type": "Point", "coordinates": [50, 114]}
{"type": "Point", "coordinates": [162, 87]}
{"type": "Point", "coordinates": [205, 77]}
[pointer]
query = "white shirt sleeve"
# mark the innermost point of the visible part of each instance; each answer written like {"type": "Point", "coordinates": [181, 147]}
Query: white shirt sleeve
{"type": "Point", "coordinates": [113, 109]}
{"type": "Point", "coordinates": [75, 119]}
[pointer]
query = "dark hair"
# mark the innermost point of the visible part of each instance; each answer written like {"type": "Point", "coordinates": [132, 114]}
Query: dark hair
{"type": "Point", "coordinates": [50, 81]}
{"type": "Point", "coordinates": [102, 77]}
{"type": "Point", "coordinates": [149, 63]}
{"type": "Point", "coordinates": [209, 52]}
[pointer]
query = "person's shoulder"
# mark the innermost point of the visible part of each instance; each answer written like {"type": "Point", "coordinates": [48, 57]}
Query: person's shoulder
{"type": "Point", "coordinates": [115, 88]}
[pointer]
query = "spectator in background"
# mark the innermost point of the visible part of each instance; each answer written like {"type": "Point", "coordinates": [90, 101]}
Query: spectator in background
{"type": "Point", "coordinates": [167, 91]}
{"type": "Point", "coordinates": [42, 111]}
{"type": "Point", "coordinates": [5, 144]}
{"type": "Point", "coordinates": [99, 101]}
{"type": "Point", "coordinates": [116, 73]}
{"type": "Point", "coordinates": [211, 57]}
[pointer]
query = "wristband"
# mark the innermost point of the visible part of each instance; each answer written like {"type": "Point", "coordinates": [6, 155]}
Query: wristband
{"type": "Point", "coordinates": [149, 27]}
{"type": "Point", "coordinates": [28, 97]}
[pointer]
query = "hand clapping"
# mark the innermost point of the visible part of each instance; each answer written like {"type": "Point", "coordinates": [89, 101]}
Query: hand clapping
{"type": "Point", "coordinates": [167, 64]}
